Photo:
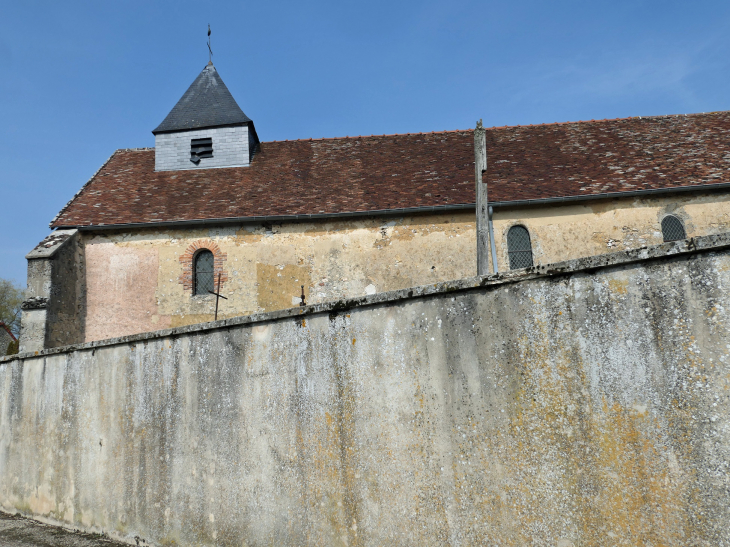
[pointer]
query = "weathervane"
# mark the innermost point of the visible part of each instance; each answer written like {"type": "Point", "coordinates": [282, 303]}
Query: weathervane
{"type": "Point", "coordinates": [210, 51]}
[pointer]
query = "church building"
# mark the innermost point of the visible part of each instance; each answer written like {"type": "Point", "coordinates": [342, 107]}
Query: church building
{"type": "Point", "coordinates": [155, 232]}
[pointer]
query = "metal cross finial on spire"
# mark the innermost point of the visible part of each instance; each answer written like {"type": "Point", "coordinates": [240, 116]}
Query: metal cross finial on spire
{"type": "Point", "coordinates": [210, 51]}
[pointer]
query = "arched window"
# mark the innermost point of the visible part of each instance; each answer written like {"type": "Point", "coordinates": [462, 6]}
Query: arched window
{"type": "Point", "coordinates": [519, 248]}
{"type": "Point", "coordinates": [672, 228]}
{"type": "Point", "coordinates": [203, 272]}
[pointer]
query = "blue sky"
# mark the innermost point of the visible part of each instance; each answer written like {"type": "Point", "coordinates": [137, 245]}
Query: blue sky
{"type": "Point", "coordinates": [81, 79]}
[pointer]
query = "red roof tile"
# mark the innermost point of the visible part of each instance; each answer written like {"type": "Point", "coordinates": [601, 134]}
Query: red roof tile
{"type": "Point", "coordinates": [586, 158]}
{"type": "Point", "coordinates": [362, 174]}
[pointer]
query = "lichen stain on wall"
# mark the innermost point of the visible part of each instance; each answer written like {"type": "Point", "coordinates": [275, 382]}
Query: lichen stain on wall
{"type": "Point", "coordinates": [278, 285]}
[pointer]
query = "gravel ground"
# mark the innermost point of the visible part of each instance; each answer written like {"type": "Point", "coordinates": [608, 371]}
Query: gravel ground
{"type": "Point", "coordinates": [17, 531]}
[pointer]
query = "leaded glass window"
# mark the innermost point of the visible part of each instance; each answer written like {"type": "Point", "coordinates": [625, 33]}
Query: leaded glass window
{"type": "Point", "coordinates": [672, 228]}
{"type": "Point", "coordinates": [519, 248]}
{"type": "Point", "coordinates": [203, 281]}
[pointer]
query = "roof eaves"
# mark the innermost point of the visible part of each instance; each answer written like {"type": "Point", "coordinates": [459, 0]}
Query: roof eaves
{"type": "Point", "coordinates": [213, 126]}
{"type": "Point", "coordinates": [400, 211]}
{"type": "Point", "coordinates": [610, 195]}
{"type": "Point", "coordinates": [281, 218]}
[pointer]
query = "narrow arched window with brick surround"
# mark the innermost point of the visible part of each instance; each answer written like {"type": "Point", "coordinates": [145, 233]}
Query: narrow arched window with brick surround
{"type": "Point", "coordinates": [211, 267]}
{"type": "Point", "coordinates": [672, 229]}
{"type": "Point", "coordinates": [519, 248]}
{"type": "Point", "coordinates": [204, 269]}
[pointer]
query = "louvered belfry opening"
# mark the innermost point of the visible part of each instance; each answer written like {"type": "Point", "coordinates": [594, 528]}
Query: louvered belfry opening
{"type": "Point", "coordinates": [204, 273]}
{"type": "Point", "coordinates": [672, 229]}
{"type": "Point", "coordinates": [201, 148]}
{"type": "Point", "coordinates": [519, 248]}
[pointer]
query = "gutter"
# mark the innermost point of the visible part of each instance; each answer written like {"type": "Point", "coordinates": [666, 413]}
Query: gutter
{"type": "Point", "coordinates": [281, 218]}
{"type": "Point", "coordinates": [406, 210]}
{"type": "Point", "coordinates": [611, 195]}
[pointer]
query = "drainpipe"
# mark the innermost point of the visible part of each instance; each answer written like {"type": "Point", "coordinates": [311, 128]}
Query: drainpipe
{"type": "Point", "coordinates": [491, 241]}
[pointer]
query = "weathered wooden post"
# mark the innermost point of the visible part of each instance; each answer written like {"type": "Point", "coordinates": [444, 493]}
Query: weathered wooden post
{"type": "Point", "coordinates": [480, 168]}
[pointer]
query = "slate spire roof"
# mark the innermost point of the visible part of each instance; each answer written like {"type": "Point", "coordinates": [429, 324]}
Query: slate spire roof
{"type": "Point", "coordinates": [206, 103]}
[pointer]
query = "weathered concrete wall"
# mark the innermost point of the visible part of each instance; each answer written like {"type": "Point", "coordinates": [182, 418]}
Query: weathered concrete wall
{"type": "Point", "coordinates": [586, 403]}
{"type": "Point", "coordinates": [135, 281]}
{"type": "Point", "coordinates": [562, 232]}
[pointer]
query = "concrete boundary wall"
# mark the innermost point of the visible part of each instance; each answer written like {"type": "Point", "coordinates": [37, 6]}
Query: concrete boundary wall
{"type": "Point", "coordinates": [580, 403]}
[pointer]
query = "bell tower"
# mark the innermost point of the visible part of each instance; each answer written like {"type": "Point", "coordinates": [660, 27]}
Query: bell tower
{"type": "Point", "coordinates": [205, 129]}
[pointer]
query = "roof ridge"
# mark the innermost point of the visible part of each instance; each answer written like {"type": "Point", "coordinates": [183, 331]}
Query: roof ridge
{"type": "Point", "coordinates": [612, 119]}
{"type": "Point", "coordinates": [142, 149]}
{"type": "Point", "coordinates": [368, 136]}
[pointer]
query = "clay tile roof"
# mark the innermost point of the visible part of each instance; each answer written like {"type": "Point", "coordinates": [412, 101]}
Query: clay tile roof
{"type": "Point", "coordinates": [362, 174]}
{"type": "Point", "coordinates": [304, 177]}
{"type": "Point", "coordinates": [597, 157]}
{"type": "Point", "coordinates": [206, 103]}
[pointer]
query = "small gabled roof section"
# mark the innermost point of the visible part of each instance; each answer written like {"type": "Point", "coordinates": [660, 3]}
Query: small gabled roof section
{"type": "Point", "coordinates": [206, 103]}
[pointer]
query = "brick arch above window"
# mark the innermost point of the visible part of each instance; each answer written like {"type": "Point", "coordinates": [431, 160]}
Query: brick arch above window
{"type": "Point", "coordinates": [187, 259]}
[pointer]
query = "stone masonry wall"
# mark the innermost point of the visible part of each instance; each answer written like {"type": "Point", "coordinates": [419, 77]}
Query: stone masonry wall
{"type": "Point", "coordinates": [142, 281]}
{"type": "Point", "coordinates": [265, 265]}
{"type": "Point", "coordinates": [66, 311]}
{"type": "Point", "coordinates": [54, 310]}
{"type": "Point", "coordinates": [576, 404]}
{"type": "Point", "coordinates": [561, 232]}
{"type": "Point", "coordinates": [230, 149]}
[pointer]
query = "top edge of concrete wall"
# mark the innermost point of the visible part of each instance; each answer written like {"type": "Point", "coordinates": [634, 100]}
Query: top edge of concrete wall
{"type": "Point", "coordinates": [690, 246]}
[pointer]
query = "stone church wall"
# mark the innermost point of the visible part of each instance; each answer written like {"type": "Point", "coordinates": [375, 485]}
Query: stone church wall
{"type": "Point", "coordinates": [581, 403]}
{"type": "Point", "coordinates": [54, 310]}
{"type": "Point", "coordinates": [562, 232]}
{"type": "Point", "coordinates": [141, 282]}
